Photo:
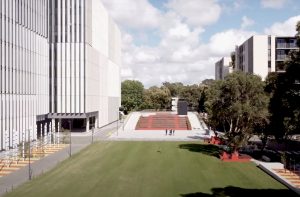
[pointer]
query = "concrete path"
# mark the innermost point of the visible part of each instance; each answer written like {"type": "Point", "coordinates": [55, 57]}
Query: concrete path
{"type": "Point", "coordinates": [271, 167]}
{"type": "Point", "coordinates": [128, 132]}
{"type": "Point", "coordinates": [195, 123]}
{"type": "Point", "coordinates": [131, 120]}
{"type": "Point", "coordinates": [79, 141]}
{"type": "Point", "coordinates": [158, 135]}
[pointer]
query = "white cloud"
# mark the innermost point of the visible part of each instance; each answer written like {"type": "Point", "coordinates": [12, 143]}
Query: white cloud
{"type": "Point", "coordinates": [222, 43]}
{"type": "Point", "coordinates": [286, 28]}
{"type": "Point", "coordinates": [230, 7]}
{"type": "Point", "coordinates": [136, 14]}
{"type": "Point", "coordinates": [180, 55]}
{"type": "Point", "coordinates": [276, 4]}
{"type": "Point", "coordinates": [126, 73]}
{"type": "Point", "coordinates": [246, 22]}
{"type": "Point", "coordinates": [196, 12]}
{"type": "Point", "coordinates": [187, 59]}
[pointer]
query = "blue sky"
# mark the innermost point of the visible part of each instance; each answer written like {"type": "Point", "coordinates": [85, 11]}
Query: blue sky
{"type": "Point", "coordinates": [180, 40]}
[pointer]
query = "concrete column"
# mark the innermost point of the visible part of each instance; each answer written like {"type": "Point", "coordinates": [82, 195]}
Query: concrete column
{"type": "Point", "coordinates": [53, 125]}
{"type": "Point", "coordinates": [41, 125]}
{"type": "Point", "coordinates": [6, 139]}
{"type": "Point", "coordinates": [87, 124]}
{"type": "Point", "coordinates": [50, 131]}
{"type": "Point", "coordinates": [59, 130]}
{"type": "Point", "coordinates": [96, 122]}
{"type": "Point", "coordinates": [45, 132]}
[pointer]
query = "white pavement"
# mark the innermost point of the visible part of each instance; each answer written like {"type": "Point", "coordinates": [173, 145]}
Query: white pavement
{"type": "Point", "coordinates": [269, 167]}
{"type": "Point", "coordinates": [128, 132]}
{"type": "Point", "coordinates": [195, 123]}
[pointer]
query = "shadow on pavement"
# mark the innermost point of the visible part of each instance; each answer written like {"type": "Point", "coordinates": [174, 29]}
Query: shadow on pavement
{"type": "Point", "coordinates": [231, 191]}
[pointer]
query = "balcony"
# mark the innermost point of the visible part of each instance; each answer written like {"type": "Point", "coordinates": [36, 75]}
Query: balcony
{"type": "Point", "coordinates": [281, 57]}
{"type": "Point", "coordinates": [286, 46]}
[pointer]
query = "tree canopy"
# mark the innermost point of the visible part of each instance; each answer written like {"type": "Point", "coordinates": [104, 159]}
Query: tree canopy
{"type": "Point", "coordinates": [174, 88]}
{"type": "Point", "coordinates": [156, 98]}
{"type": "Point", "coordinates": [192, 94]}
{"type": "Point", "coordinates": [285, 96]}
{"type": "Point", "coordinates": [132, 94]}
{"type": "Point", "coordinates": [236, 105]}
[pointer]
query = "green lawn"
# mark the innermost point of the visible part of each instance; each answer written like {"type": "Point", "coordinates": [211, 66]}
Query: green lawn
{"type": "Point", "coordinates": [151, 169]}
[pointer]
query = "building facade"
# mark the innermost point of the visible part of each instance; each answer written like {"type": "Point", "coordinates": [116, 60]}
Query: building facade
{"type": "Point", "coordinates": [24, 69]}
{"type": "Point", "coordinates": [60, 65]}
{"type": "Point", "coordinates": [84, 58]}
{"type": "Point", "coordinates": [222, 68]}
{"type": "Point", "coordinates": [262, 54]}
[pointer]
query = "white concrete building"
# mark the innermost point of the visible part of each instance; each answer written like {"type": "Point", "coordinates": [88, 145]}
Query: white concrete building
{"type": "Point", "coordinates": [60, 61]}
{"type": "Point", "coordinates": [174, 104]}
{"type": "Point", "coordinates": [24, 70]}
{"type": "Point", "coordinates": [222, 68]}
{"type": "Point", "coordinates": [85, 55]}
{"type": "Point", "coordinates": [262, 54]}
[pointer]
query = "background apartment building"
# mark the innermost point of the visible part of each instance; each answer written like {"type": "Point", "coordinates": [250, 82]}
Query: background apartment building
{"type": "Point", "coordinates": [222, 68]}
{"type": "Point", "coordinates": [262, 54]}
{"type": "Point", "coordinates": [60, 61]}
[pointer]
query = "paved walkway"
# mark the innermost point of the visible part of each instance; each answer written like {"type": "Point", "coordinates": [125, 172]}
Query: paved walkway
{"type": "Point", "coordinates": [128, 132]}
{"type": "Point", "coordinates": [272, 169]}
{"type": "Point", "coordinates": [159, 135]}
{"type": "Point", "coordinates": [79, 141]}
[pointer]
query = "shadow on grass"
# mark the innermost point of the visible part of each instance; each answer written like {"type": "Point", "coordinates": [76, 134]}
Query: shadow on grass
{"type": "Point", "coordinates": [207, 149]}
{"type": "Point", "coordinates": [231, 191]}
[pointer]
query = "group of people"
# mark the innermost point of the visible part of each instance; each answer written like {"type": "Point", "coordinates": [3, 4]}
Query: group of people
{"type": "Point", "coordinates": [171, 132]}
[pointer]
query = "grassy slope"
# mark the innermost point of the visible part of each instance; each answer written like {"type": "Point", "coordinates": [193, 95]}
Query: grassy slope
{"type": "Point", "coordinates": [148, 169]}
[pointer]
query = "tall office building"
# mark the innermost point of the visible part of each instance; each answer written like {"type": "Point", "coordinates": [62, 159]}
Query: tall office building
{"type": "Point", "coordinates": [262, 54]}
{"type": "Point", "coordinates": [60, 61]}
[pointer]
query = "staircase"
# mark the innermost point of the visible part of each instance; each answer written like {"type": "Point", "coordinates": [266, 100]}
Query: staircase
{"type": "Point", "coordinates": [162, 121]}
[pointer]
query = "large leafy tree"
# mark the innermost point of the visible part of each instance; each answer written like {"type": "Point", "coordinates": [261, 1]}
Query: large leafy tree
{"type": "Point", "coordinates": [192, 94]}
{"type": "Point", "coordinates": [207, 82]}
{"type": "Point", "coordinates": [203, 98]}
{"type": "Point", "coordinates": [285, 96]}
{"type": "Point", "coordinates": [132, 94]}
{"type": "Point", "coordinates": [156, 98]}
{"type": "Point", "coordinates": [174, 88]}
{"type": "Point", "coordinates": [236, 106]}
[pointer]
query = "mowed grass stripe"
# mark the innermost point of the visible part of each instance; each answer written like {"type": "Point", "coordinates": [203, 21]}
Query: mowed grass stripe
{"type": "Point", "coordinates": [148, 169]}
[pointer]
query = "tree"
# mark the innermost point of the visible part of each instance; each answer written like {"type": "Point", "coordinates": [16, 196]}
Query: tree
{"type": "Point", "coordinates": [237, 105]}
{"type": "Point", "coordinates": [232, 56]}
{"type": "Point", "coordinates": [207, 82]}
{"type": "Point", "coordinates": [285, 96]}
{"type": "Point", "coordinates": [174, 88]}
{"type": "Point", "coordinates": [292, 92]}
{"type": "Point", "coordinates": [132, 94]}
{"type": "Point", "coordinates": [192, 94]}
{"type": "Point", "coordinates": [156, 98]}
{"type": "Point", "coordinates": [203, 98]}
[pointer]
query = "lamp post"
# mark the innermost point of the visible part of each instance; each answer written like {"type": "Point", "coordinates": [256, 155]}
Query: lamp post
{"type": "Point", "coordinates": [93, 134]}
{"type": "Point", "coordinates": [118, 122]}
{"type": "Point", "coordinates": [70, 123]}
{"type": "Point", "coordinates": [29, 153]}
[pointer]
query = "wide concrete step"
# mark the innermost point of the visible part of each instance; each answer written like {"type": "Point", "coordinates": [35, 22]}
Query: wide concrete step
{"type": "Point", "coordinates": [3, 173]}
{"type": "Point", "coordinates": [9, 168]}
